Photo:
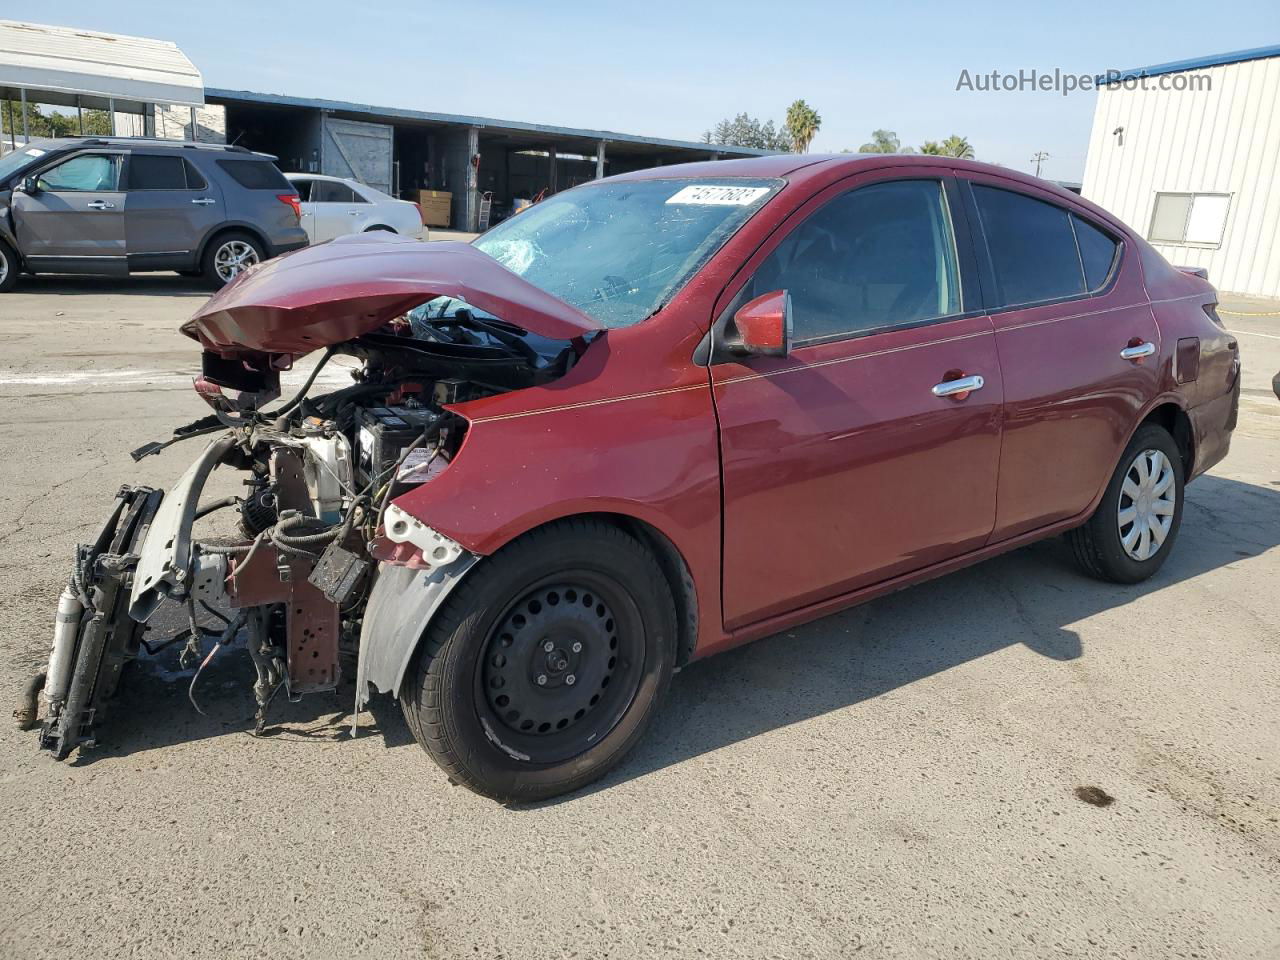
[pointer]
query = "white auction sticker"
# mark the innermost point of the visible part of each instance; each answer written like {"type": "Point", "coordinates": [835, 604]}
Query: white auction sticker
{"type": "Point", "coordinates": [718, 196]}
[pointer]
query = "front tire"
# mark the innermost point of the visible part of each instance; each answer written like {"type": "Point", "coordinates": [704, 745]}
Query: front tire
{"type": "Point", "coordinates": [1129, 536]}
{"type": "Point", "coordinates": [227, 256]}
{"type": "Point", "coordinates": [8, 267]}
{"type": "Point", "coordinates": [545, 666]}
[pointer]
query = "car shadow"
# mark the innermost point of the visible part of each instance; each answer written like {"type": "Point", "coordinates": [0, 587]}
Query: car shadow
{"type": "Point", "coordinates": [1028, 597]}
{"type": "Point", "coordinates": [136, 285]}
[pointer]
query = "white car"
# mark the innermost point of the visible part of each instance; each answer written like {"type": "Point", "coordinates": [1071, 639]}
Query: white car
{"type": "Point", "coordinates": [334, 206]}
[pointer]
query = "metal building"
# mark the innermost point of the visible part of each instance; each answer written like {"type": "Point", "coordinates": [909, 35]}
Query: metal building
{"type": "Point", "coordinates": [403, 152]}
{"type": "Point", "coordinates": [89, 70]}
{"type": "Point", "coordinates": [1188, 153]}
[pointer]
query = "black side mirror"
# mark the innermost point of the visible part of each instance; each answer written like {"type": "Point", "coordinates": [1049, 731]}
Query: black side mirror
{"type": "Point", "coordinates": [31, 185]}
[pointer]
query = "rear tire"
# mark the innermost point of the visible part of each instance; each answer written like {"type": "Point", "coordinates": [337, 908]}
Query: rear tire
{"type": "Point", "coordinates": [227, 255]}
{"type": "Point", "coordinates": [546, 664]}
{"type": "Point", "coordinates": [1129, 536]}
{"type": "Point", "coordinates": [8, 267]}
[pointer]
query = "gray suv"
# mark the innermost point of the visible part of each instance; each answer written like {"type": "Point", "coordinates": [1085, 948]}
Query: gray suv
{"type": "Point", "coordinates": [117, 205]}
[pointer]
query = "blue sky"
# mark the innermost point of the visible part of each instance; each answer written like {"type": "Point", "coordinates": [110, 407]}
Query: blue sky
{"type": "Point", "coordinates": [674, 68]}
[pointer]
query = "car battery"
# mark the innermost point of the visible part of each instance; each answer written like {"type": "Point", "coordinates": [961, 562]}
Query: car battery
{"type": "Point", "coordinates": [382, 436]}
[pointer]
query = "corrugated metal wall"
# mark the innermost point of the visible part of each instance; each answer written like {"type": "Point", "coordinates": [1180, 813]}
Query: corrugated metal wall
{"type": "Point", "coordinates": [1222, 140]}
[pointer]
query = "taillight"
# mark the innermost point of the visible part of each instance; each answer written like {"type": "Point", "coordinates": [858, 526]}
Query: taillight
{"type": "Point", "coordinates": [291, 200]}
{"type": "Point", "coordinates": [421, 215]}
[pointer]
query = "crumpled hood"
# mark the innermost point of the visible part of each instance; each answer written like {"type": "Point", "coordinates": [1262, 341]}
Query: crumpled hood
{"type": "Point", "coordinates": [351, 286]}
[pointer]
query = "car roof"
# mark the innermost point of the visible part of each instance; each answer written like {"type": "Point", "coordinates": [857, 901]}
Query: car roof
{"type": "Point", "coordinates": [781, 165]}
{"type": "Point", "coordinates": [150, 142]}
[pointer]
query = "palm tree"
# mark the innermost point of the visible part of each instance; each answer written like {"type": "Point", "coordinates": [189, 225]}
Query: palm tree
{"type": "Point", "coordinates": [802, 123]}
{"type": "Point", "coordinates": [884, 141]}
{"type": "Point", "coordinates": [957, 146]}
{"type": "Point", "coordinates": [931, 148]}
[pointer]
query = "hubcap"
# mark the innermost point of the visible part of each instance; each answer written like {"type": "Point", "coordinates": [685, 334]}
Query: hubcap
{"type": "Point", "coordinates": [1147, 501]}
{"type": "Point", "coordinates": [560, 668]}
{"type": "Point", "coordinates": [233, 257]}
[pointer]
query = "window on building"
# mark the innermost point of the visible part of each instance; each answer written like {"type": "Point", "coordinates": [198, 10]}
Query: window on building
{"type": "Point", "coordinates": [876, 257]}
{"type": "Point", "coordinates": [1032, 247]}
{"type": "Point", "coordinates": [1197, 219]}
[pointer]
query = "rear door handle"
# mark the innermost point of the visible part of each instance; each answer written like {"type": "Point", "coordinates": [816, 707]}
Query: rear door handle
{"type": "Point", "coordinates": [204, 201]}
{"type": "Point", "coordinates": [1138, 351]}
{"type": "Point", "coordinates": [100, 205]}
{"type": "Point", "coordinates": [962, 385]}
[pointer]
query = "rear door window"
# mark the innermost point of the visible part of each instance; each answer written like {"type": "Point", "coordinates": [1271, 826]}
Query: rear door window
{"type": "Point", "coordinates": [86, 173]}
{"type": "Point", "coordinates": [327, 191]}
{"type": "Point", "coordinates": [149, 172]}
{"type": "Point", "coordinates": [876, 257]}
{"type": "Point", "coordinates": [1097, 252]}
{"type": "Point", "coordinates": [304, 189]}
{"type": "Point", "coordinates": [256, 175]}
{"type": "Point", "coordinates": [1031, 245]}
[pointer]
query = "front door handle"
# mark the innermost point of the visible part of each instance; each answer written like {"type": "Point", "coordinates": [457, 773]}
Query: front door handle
{"type": "Point", "coordinates": [100, 205]}
{"type": "Point", "coordinates": [353, 213]}
{"type": "Point", "coordinates": [958, 388]}
{"type": "Point", "coordinates": [203, 201]}
{"type": "Point", "coordinates": [1138, 351]}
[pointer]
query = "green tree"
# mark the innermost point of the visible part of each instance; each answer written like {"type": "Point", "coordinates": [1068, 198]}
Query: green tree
{"type": "Point", "coordinates": [957, 146]}
{"type": "Point", "coordinates": [931, 148]}
{"type": "Point", "coordinates": [746, 131]}
{"type": "Point", "coordinates": [884, 141]}
{"type": "Point", "coordinates": [802, 124]}
{"type": "Point", "coordinates": [52, 124]}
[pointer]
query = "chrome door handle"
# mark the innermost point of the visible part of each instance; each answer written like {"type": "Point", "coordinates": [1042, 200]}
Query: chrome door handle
{"type": "Point", "coordinates": [1144, 349]}
{"type": "Point", "coordinates": [949, 388]}
{"type": "Point", "coordinates": [353, 213]}
{"type": "Point", "coordinates": [204, 201]}
{"type": "Point", "coordinates": [100, 205]}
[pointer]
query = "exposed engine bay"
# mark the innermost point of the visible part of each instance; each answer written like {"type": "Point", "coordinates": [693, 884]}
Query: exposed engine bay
{"type": "Point", "coordinates": [317, 515]}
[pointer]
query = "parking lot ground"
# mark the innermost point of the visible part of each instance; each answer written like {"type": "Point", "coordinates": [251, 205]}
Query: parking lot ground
{"type": "Point", "coordinates": [1012, 761]}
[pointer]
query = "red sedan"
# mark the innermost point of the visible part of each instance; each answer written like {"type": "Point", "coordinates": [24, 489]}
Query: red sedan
{"type": "Point", "coordinates": [663, 414]}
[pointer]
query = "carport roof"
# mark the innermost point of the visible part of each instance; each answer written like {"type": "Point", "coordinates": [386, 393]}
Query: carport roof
{"type": "Point", "coordinates": [516, 130]}
{"type": "Point", "coordinates": [58, 64]}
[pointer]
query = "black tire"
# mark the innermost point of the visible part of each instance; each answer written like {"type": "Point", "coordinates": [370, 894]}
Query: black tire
{"type": "Point", "coordinates": [449, 695]}
{"type": "Point", "coordinates": [1098, 545]}
{"type": "Point", "coordinates": [209, 261]}
{"type": "Point", "coordinates": [9, 267]}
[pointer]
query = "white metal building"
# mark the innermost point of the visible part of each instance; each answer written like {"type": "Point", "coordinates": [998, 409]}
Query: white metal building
{"type": "Point", "coordinates": [1188, 154]}
{"type": "Point", "coordinates": [141, 82]}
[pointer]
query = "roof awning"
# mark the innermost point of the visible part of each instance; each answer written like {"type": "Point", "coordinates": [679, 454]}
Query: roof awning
{"type": "Point", "coordinates": [60, 64]}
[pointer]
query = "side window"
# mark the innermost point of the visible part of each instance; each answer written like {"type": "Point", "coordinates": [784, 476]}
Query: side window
{"type": "Point", "coordinates": [1032, 247]}
{"type": "Point", "coordinates": [304, 190]}
{"type": "Point", "coordinates": [255, 174]}
{"type": "Point", "coordinates": [149, 172]}
{"type": "Point", "coordinates": [879, 256]}
{"type": "Point", "coordinates": [86, 173]}
{"type": "Point", "coordinates": [1097, 252]}
{"type": "Point", "coordinates": [326, 191]}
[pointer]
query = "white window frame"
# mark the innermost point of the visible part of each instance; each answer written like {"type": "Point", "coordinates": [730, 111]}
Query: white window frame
{"type": "Point", "coordinates": [1184, 242]}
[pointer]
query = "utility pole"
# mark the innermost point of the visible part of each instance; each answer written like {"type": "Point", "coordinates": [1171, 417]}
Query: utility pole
{"type": "Point", "coordinates": [1039, 158]}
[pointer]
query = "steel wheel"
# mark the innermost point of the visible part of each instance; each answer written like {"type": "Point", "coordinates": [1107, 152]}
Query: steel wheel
{"type": "Point", "coordinates": [1148, 498]}
{"type": "Point", "coordinates": [560, 668]}
{"type": "Point", "coordinates": [232, 257]}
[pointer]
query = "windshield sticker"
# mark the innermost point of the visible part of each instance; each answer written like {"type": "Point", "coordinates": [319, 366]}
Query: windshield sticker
{"type": "Point", "coordinates": [719, 196]}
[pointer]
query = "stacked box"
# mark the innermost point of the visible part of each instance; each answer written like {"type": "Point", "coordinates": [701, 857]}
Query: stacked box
{"type": "Point", "coordinates": [436, 206]}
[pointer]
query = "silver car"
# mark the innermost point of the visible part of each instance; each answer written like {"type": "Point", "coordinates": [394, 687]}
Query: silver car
{"type": "Point", "coordinates": [118, 205]}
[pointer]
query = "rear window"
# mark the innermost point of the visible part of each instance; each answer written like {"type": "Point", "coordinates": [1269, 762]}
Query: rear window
{"type": "Point", "coordinates": [256, 175]}
{"type": "Point", "coordinates": [1097, 252]}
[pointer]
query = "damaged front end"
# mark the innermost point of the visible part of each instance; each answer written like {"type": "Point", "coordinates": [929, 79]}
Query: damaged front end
{"type": "Point", "coordinates": [322, 541]}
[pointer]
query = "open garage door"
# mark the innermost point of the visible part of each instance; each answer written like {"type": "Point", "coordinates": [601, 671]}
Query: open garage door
{"type": "Point", "coordinates": [360, 151]}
